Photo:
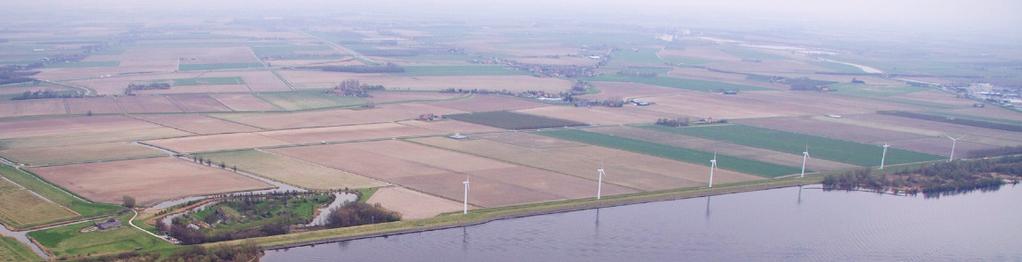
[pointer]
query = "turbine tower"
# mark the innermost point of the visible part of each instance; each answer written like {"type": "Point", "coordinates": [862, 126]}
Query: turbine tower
{"type": "Point", "coordinates": [954, 142]}
{"type": "Point", "coordinates": [465, 206]}
{"type": "Point", "coordinates": [713, 165]}
{"type": "Point", "coordinates": [805, 156]}
{"type": "Point", "coordinates": [883, 156]}
{"type": "Point", "coordinates": [599, 183]}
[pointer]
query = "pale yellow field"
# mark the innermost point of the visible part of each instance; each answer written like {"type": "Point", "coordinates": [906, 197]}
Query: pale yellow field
{"type": "Point", "coordinates": [292, 171]}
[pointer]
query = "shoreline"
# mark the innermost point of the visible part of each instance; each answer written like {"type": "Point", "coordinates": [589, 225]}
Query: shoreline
{"type": "Point", "coordinates": [482, 216]}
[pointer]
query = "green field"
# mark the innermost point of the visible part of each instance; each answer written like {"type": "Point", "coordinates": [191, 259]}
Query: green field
{"type": "Point", "coordinates": [312, 99]}
{"type": "Point", "coordinates": [84, 64]}
{"type": "Point", "coordinates": [742, 165]}
{"type": "Point", "coordinates": [794, 143]}
{"type": "Point", "coordinates": [199, 67]}
{"type": "Point", "coordinates": [233, 80]}
{"type": "Point", "coordinates": [871, 91]}
{"type": "Point", "coordinates": [691, 84]}
{"type": "Point", "coordinates": [684, 60]}
{"type": "Point", "coordinates": [51, 192]}
{"type": "Point", "coordinates": [67, 241]}
{"type": "Point", "coordinates": [12, 250]}
{"type": "Point", "coordinates": [459, 70]}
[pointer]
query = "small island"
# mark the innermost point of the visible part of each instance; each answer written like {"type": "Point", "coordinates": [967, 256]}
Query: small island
{"type": "Point", "coordinates": [933, 180]}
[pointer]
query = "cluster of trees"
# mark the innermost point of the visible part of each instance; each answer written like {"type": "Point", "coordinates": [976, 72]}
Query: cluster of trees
{"type": "Point", "coordinates": [146, 86]}
{"type": "Point", "coordinates": [359, 213]}
{"type": "Point", "coordinates": [636, 73]}
{"type": "Point", "coordinates": [270, 214]}
{"type": "Point", "coordinates": [1002, 151]}
{"type": "Point", "coordinates": [13, 74]}
{"type": "Point", "coordinates": [674, 122]}
{"type": "Point", "coordinates": [954, 120]}
{"type": "Point", "coordinates": [210, 163]}
{"type": "Point", "coordinates": [243, 252]}
{"type": "Point", "coordinates": [386, 68]}
{"type": "Point", "coordinates": [933, 179]}
{"type": "Point", "coordinates": [806, 84]}
{"type": "Point", "coordinates": [42, 94]}
{"type": "Point", "coordinates": [352, 87]}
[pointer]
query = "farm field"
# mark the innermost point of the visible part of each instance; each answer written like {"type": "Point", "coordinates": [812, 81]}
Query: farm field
{"type": "Point", "coordinates": [673, 82]}
{"type": "Point", "coordinates": [387, 97]}
{"type": "Point", "coordinates": [411, 204]}
{"type": "Point", "coordinates": [63, 131]}
{"type": "Point", "coordinates": [763, 104]}
{"type": "Point", "coordinates": [747, 166]}
{"type": "Point", "coordinates": [204, 67]}
{"type": "Point", "coordinates": [722, 147]}
{"type": "Point", "coordinates": [629, 169]}
{"type": "Point", "coordinates": [512, 120]}
{"type": "Point", "coordinates": [313, 99]}
{"type": "Point", "coordinates": [598, 115]}
{"type": "Point", "coordinates": [936, 129]}
{"type": "Point", "coordinates": [795, 143]}
{"type": "Point", "coordinates": [439, 172]}
{"type": "Point", "coordinates": [245, 102]}
{"type": "Point", "coordinates": [147, 180]}
{"type": "Point", "coordinates": [292, 171]}
{"type": "Point", "coordinates": [459, 70]}
{"type": "Point", "coordinates": [219, 142]}
{"type": "Point", "coordinates": [514, 83]}
{"type": "Point", "coordinates": [337, 117]}
{"type": "Point", "coordinates": [12, 250]}
{"type": "Point", "coordinates": [19, 208]}
{"type": "Point", "coordinates": [56, 195]}
{"type": "Point", "coordinates": [487, 103]}
{"type": "Point", "coordinates": [197, 124]}
{"type": "Point", "coordinates": [68, 241]}
{"type": "Point", "coordinates": [70, 154]}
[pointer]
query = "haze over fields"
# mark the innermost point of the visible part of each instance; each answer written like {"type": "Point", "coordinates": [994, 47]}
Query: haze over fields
{"type": "Point", "coordinates": [287, 122]}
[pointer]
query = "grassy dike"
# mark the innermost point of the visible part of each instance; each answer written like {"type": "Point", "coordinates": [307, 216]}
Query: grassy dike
{"type": "Point", "coordinates": [480, 216]}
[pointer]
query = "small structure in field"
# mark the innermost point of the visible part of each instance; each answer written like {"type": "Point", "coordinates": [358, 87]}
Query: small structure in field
{"type": "Point", "coordinates": [112, 223]}
{"type": "Point", "coordinates": [457, 136]}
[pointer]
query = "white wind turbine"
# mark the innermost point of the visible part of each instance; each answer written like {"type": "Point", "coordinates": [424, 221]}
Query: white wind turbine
{"type": "Point", "coordinates": [599, 183]}
{"type": "Point", "coordinates": [713, 165]}
{"type": "Point", "coordinates": [883, 156]}
{"type": "Point", "coordinates": [954, 142]}
{"type": "Point", "coordinates": [805, 157]}
{"type": "Point", "coordinates": [465, 207]}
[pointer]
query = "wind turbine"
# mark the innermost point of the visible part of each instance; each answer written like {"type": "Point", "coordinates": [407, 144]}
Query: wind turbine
{"type": "Point", "coordinates": [599, 183]}
{"type": "Point", "coordinates": [805, 156]}
{"type": "Point", "coordinates": [954, 142]}
{"type": "Point", "coordinates": [884, 156]}
{"type": "Point", "coordinates": [465, 207]}
{"type": "Point", "coordinates": [713, 165]}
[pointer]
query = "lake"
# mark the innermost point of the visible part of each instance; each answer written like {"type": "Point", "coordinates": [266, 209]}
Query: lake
{"type": "Point", "coordinates": [780, 224]}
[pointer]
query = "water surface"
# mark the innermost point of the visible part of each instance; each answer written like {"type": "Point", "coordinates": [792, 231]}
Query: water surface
{"type": "Point", "coordinates": [780, 224]}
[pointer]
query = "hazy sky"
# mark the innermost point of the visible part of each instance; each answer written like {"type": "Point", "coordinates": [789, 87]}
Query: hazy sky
{"type": "Point", "coordinates": [983, 15]}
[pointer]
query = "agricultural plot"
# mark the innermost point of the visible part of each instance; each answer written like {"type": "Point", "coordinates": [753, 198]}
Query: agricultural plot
{"type": "Point", "coordinates": [197, 124]}
{"type": "Point", "coordinates": [65, 131]}
{"type": "Point", "coordinates": [208, 81]}
{"type": "Point", "coordinates": [965, 121]}
{"type": "Point", "coordinates": [147, 104]}
{"type": "Point", "coordinates": [305, 79]}
{"type": "Point", "coordinates": [487, 103]}
{"type": "Point", "coordinates": [440, 172]}
{"type": "Point", "coordinates": [292, 171]}
{"type": "Point", "coordinates": [33, 107]}
{"type": "Point", "coordinates": [512, 120]}
{"type": "Point", "coordinates": [411, 204]}
{"type": "Point", "coordinates": [368, 132]}
{"type": "Point", "coordinates": [84, 153]}
{"type": "Point", "coordinates": [295, 52]}
{"type": "Point", "coordinates": [20, 208]}
{"type": "Point", "coordinates": [56, 195]}
{"type": "Point", "coordinates": [221, 66]}
{"type": "Point", "coordinates": [676, 153]}
{"type": "Point", "coordinates": [599, 115]}
{"type": "Point", "coordinates": [147, 180]}
{"type": "Point", "coordinates": [682, 83]}
{"type": "Point", "coordinates": [84, 64]}
{"type": "Point", "coordinates": [197, 103]}
{"type": "Point", "coordinates": [632, 170]}
{"type": "Point", "coordinates": [794, 143]}
{"type": "Point", "coordinates": [337, 117]}
{"type": "Point", "coordinates": [12, 250]}
{"type": "Point", "coordinates": [936, 129]}
{"type": "Point", "coordinates": [313, 99]}
{"type": "Point", "coordinates": [70, 240]}
{"type": "Point", "coordinates": [721, 147]}
{"type": "Point", "coordinates": [218, 142]}
{"type": "Point", "coordinates": [93, 105]}
{"type": "Point", "coordinates": [388, 97]}
{"type": "Point", "coordinates": [244, 102]}
{"type": "Point", "coordinates": [459, 70]}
